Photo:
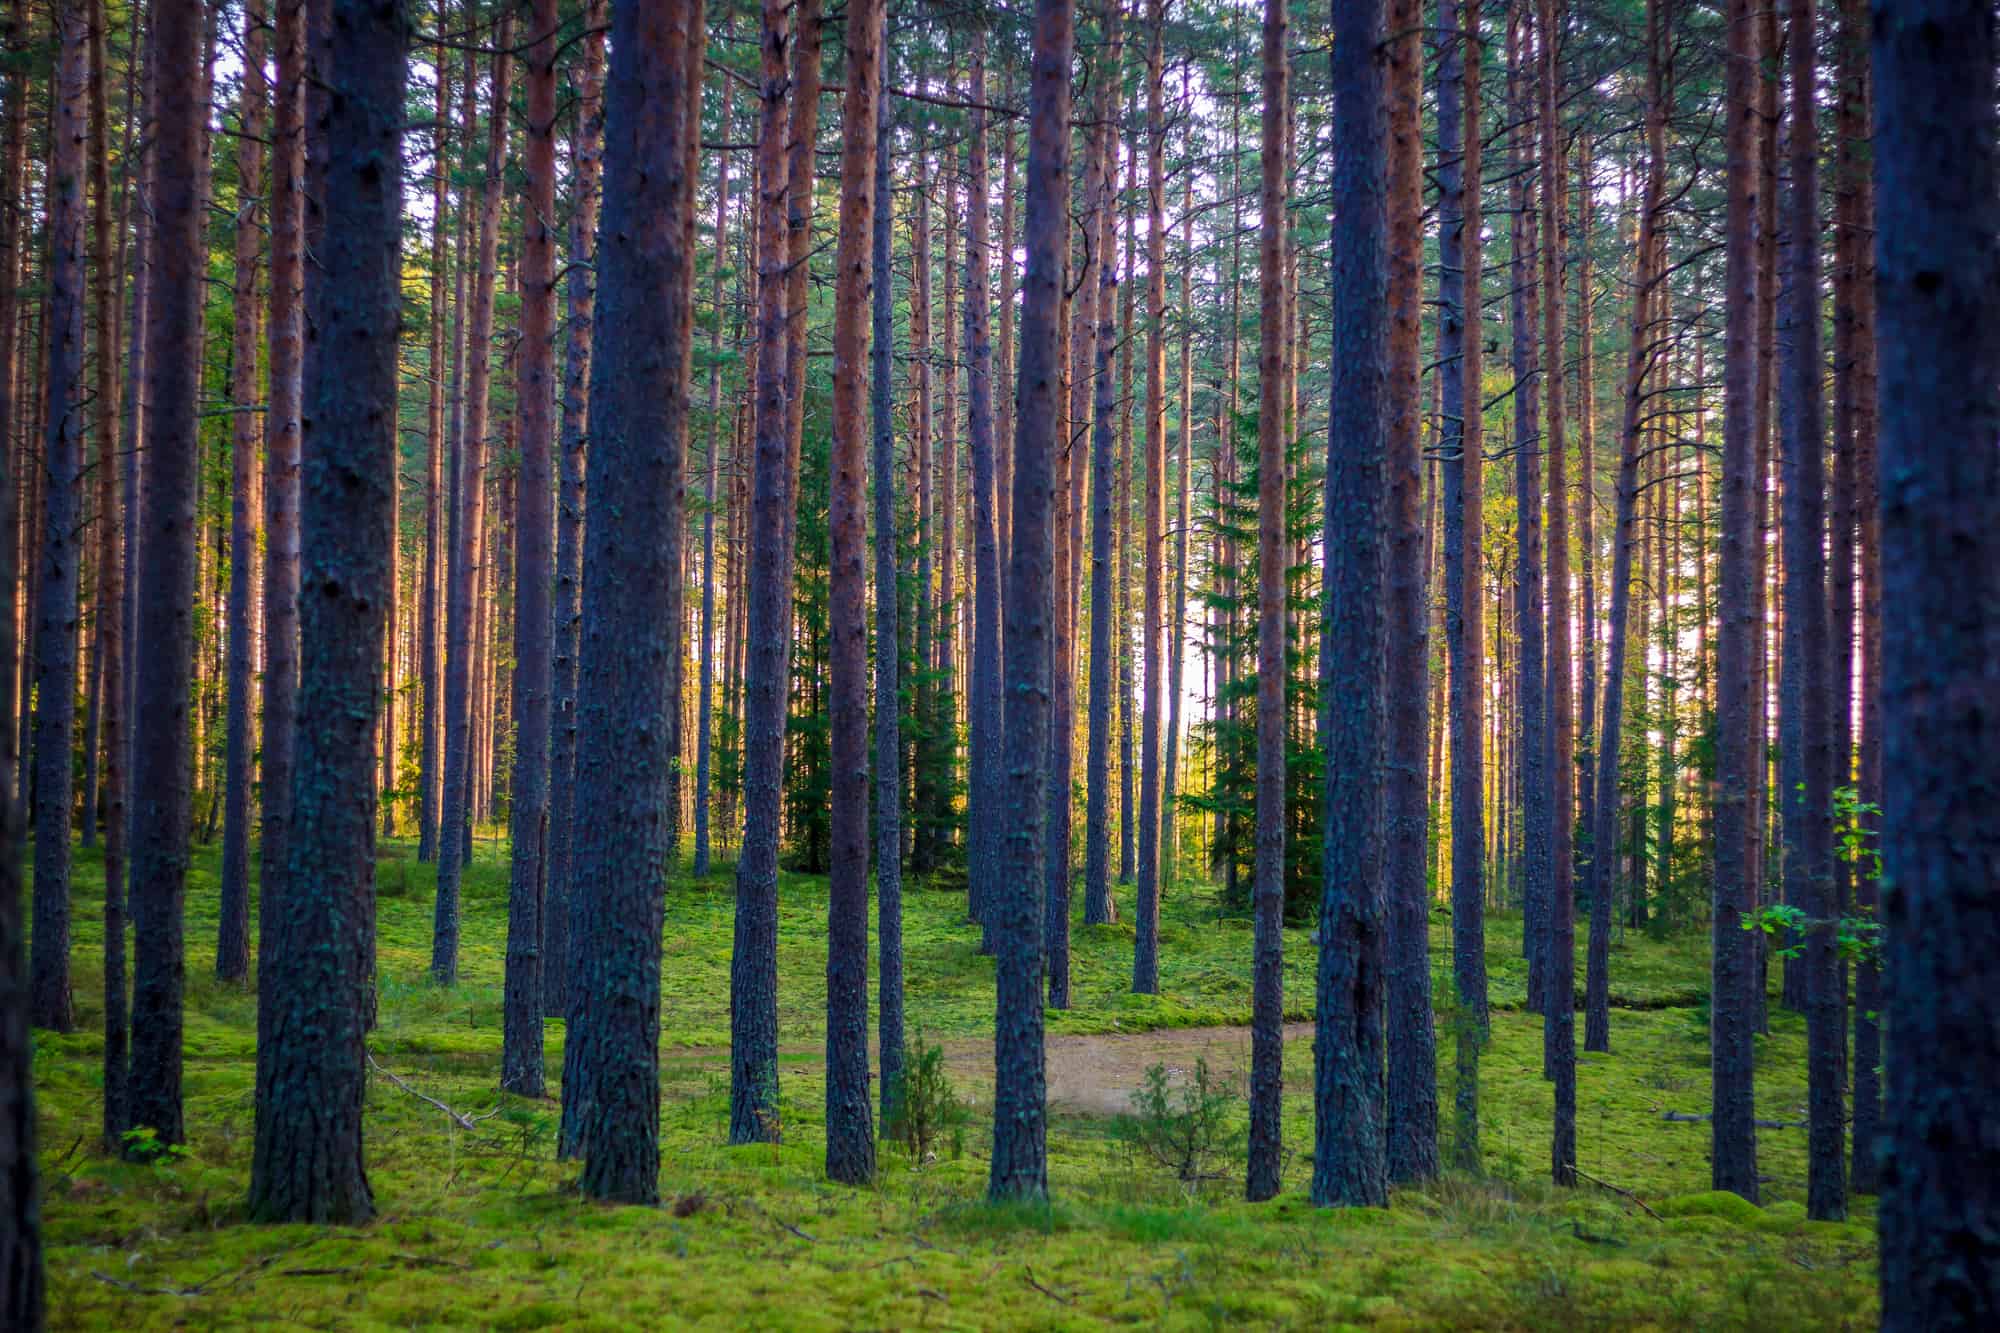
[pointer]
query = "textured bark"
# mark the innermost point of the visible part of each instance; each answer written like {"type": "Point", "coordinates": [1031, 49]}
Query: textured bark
{"type": "Point", "coordinates": [1854, 379]}
{"type": "Point", "coordinates": [850, 1134]}
{"type": "Point", "coordinates": [705, 704]}
{"type": "Point", "coordinates": [23, 1288]}
{"type": "Point", "coordinates": [57, 569]}
{"type": "Point", "coordinates": [1644, 349]}
{"type": "Point", "coordinates": [282, 426]}
{"type": "Point", "coordinates": [1733, 1164]}
{"type": "Point", "coordinates": [1003, 433]}
{"type": "Point", "coordinates": [888, 650]}
{"type": "Point", "coordinates": [1091, 364]}
{"type": "Point", "coordinates": [1558, 1017]}
{"type": "Point", "coordinates": [1460, 353]}
{"type": "Point", "coordinates": [166, 592]}
{"type": "Point", "coordinates": [534, 540]}
{"type": "Point", "coordinates": [753, 974]}
{"type": "Point", "coordinates": [1939, 174]}
{"type": "Point", "coordinates": [638, 426]}
{"type": "Point", "coordinates": [1349, 1167]}
{"type": "Point", "coordinates": [1531, 700]}
{"type": "Point", "coordinates": [1267, 993]}
{"type": "Point", "coordinates": [559, 942]}
{"type": "Point", "coordinates": [232, 943]}
{"type": "Point", "coordinates": [1411, 1127]}
{"type": "Point", "coordinates": [1020, 1111]}
{"type": "Point", "coordinates": [468, 557]}
{"type": "Point", "coordinates": [985, 715]}
{"type": "Point", "coordinates": [923, 800]}
{"type": "Point", "coordinates": [1805, 749]}
{"type": "Point", "coordinates": [1146, 950]}
{"type": "Point", "coordinates": [1170, 840]}
{"type": "Point", "coordinates": [1093, 341]}
{"type": "Point", "coordinates": [308, 1160]}
{"type": "Point", "coordinates": [435, 448]}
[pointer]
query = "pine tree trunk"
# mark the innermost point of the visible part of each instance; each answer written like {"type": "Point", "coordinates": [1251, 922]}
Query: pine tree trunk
{"type": "Point", "coordinates": [232, 945]}
{"type": "Point", "coordinates": [55, 617]}
{"type": "Point", "coordinates": [1733, 1164]}
{"type": "Point", "coordinates": [464, 619]}
{"type": "Point", "coordinates": [1146, 951]}
{"type": "Point", "coordinates": [436, 447]}
{"type": "Point", "coordinates": [1267, 995]}
{"type": "Point", "coordinates": [1019, 1167]}
{"type": "Point", "coordinates": [166, 593]}
{"type": "Point", "coordinates": [1349, 1167]}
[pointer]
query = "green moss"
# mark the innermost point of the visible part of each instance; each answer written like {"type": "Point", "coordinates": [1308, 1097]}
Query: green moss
{"type": "Point", "coordinates": [484, 1230]}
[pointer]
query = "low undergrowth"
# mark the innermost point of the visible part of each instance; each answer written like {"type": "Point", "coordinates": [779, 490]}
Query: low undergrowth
{"type": "Point", "coordinates": [482, 1228]}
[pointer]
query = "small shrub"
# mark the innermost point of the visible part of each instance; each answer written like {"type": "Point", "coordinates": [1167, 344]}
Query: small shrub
{"type": "Point", "coordinates": [1183, 1130]}
{"type": "Point", "coordinates": [924, 1109]}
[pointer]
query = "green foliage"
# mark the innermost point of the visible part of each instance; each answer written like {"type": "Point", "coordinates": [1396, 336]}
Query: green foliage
{"type": "Point", "coordinates": [1231, 735]}
{"type": "Point", "coordinates": [924, 1108]}
{"type": "Point", "coordinates": [1184, 1129]}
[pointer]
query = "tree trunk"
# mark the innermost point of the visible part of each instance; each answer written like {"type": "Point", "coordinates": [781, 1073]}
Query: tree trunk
{"type": "Point", "coordinates": [462, 609]}
{"type": "Point", "coordinates": [753, 977]}
{"type": "Point", "coordinates": [631, 591]}
{"type": "Point", "coordinates": [232, 944]}
{"type": "Point", "coordinates": [1146, 951]}
{"type": "Point", "coordinates": [534, 539]}
{"type": "Point", "coordinates": [1411, 1128]}
{"type": "Point", "coordinates": [166, 592]}
{"type": "Point", "coordinates": [1267, 996]}
{"type": "Point", "coordinates": [1020, 1113]}
{"type": "Point", "coordinates": [1349, 1167]}
{"type": "Point", "coordinates": [850, 1135]}
{"type": "Point", "coordinates": [436, 446]}
{"type": "Point", "coordinates": [1460, 353]}
{"type": "Point", "coordinates": [1733, 1163]}
{"type": "Point", "coordinates": [50, 1002]}
{"type": "Point", "coordinates": [1935, 146]}
{"type": "Point", "coordinates": [559, 942]}
{"type": "Point", "coordinates": [705, 704]}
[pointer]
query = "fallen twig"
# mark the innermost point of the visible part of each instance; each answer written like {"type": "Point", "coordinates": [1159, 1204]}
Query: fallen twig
{"type": "Point", "coordinates": [1029, 1274]}
{"type": "Point", "coordinates": [1690, 1118]}
{"type": "Point", "coordinates": [1619, 1189]}
{"type": "Point", "coordinates": [460, 1118]}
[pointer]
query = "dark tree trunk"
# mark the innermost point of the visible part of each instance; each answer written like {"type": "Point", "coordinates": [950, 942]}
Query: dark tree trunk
{"type": "Point", "coordinates": [1267, 994]}
{"type": "Point", "coordinates": [1461, 347]}
{"type": "Point", "coordinates": [1854, 304]}
{"type": "Point", "coordinates": [1090, 363]}
{"type": "Point", "coordinates": [559, 942]}
{"type": "Point", "coordinates": [1411, 1127]}
{"type": "Point", "coordinates": [462, 664]}
{"type": "Point", "coordinates": [631, 588]}
{"type": "Point", "coordinates": [1146, 950]}
{"type": "Point", "coordinates": [55, 617]}
{"type": "Point", "coordinates": [1733, 1164]}
{"type": "Point", "coordinates": [705, 705]}
{"type": "Point", "coordinates": [23, 1293]}
{"type": "Point", "coordinates": [534, 539]}
{"type": "Point", "coordinates": [888, 653]}
{"type": "Point", "coordinates": [166, 592]}
{"type": "Point", "coordinates": [985, 715]}
{"type": "Point", "coordinates": [232, 942]}
{"type": "Point", "coordinates": [1643, 350]}
{"type": "Point", "coordinates": [282, 428]}
{"type": "Point", "coordinates": [436, 446]}
{"type": "Point", "coordinates": [1349, 1167]}
{"type": "Point", "coordinates": [1020, 1112]}
{"type": "Point", "coordinates": [308, 1164]}
{"type": "Point", "coordinates": [1093, 342]}
{"type": "Point", "coordinates": [850, 1134]}
{"type": "Point", "coordinates": [1936, 151]}
{"type": "Point", "coordinates": [1805, 742]}
{"type": "Point", "coordinates": [753, 975]}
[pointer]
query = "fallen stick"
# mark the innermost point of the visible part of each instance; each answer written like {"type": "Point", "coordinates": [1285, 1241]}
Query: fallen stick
{"type": "Point", "coordinates": [1618, 1189]}
{"type": "Point", "coordinates": [460, 1118]}
{"type": "Point", "coordinates": [1689, 1118]}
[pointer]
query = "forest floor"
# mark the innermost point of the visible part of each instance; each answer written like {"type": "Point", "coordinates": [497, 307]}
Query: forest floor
{"type": "Point", "coordinates": [481, 1228]}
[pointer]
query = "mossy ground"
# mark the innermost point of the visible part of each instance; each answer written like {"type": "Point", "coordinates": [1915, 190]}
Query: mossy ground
{"type": "Point", "coordinates": [482, 1229]}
